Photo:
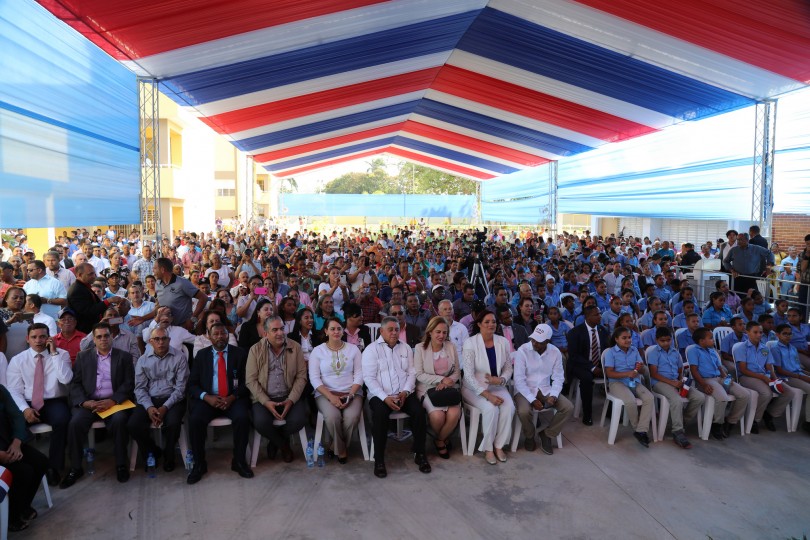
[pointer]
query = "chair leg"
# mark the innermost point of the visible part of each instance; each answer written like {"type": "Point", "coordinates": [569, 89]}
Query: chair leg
{"type": "Point", "coordinates": [576, 397]}
{"type": "Point", "coordinates": [604, 412]}
{"type": "Point", "coordinates": [559, 440]}
{"type": "Point", "coordinates": [253, 456]}
{"type": "Point", "coordinates": [750, 412]}
{"type": "Point", "coordinates": [788, 417]}
{"type": "Point", "coordinates": [475, 418]}
{"type": "Point", "coordinates": [515, 433]}
{"type": "Point", "coordinates": [462, 431]}
{"type": "Point", "coordinates": [47, 491]}
{"type": "Point", "coordinates": [708, 415]}
{"type": "Point", "coordinates": [4, 519]}
{"type": "Point", "coordinates": [361, 427]}
{"type": "Point", "coordinates": [663, 416]}
{"type": "Point", "coordinates": [183, 443]}
{"type": "Point", "coordinates": [318, 431]}
{"type": "Point", "coordinates": [133, 454]}
{"type": "Point", "coordinates": [91, 438]}
{"type": "Point", "coordinates": [615, 418]}
{"type": "Point", "coordinates": [302, 437]}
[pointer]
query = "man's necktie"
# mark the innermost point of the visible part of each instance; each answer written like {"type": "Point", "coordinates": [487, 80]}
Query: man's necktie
{"type": "Point", "coordinates": [222, 374]}
{"type": "Point", "coordinates": [594, 348]}
{"type": "Point", "coordinates": [38, 392]}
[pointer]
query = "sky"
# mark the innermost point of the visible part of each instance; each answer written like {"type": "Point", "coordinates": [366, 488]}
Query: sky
{"type": "Point", "coordinates": [309, 182]}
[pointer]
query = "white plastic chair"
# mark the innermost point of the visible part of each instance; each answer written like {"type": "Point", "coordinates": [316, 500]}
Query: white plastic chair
{"type": "Point", "coordinates": [719, 333]}
{"type": "Point", "coordinates": [619, 414]}
{"type": "Point", "coordinates": [253, 455]}
{"type": "Point", "coordinates": [183, 441]}
{"type": "Point", "coordinates": [794, 409]}
{"type": "Point", "coordinates": [374, 330]}
{"type": "Point", "coordinates": [400, 418]}
{"type": "Point", "coordinates": [516, 431]}
{"type": "Point", "coordinates": [677, 337]}
{"type": "Point", "coordinates": [223, 421]}
{"type": "Point", "coordinates": [91, 435]}
{"type": "Point", "coordinates": [361, 429]}
{"type": "Point", "coordinates": [576, 398]}
{"type": "Point", "coordinates": [662, 411]}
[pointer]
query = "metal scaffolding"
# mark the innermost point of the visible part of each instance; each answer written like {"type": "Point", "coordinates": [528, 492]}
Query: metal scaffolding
{"type": "Point", "coordinates": [148, 98]}
{"type": "Point", "coordinates": [762, 185]}
{"type": "Point", "coordinates": [552, 197]}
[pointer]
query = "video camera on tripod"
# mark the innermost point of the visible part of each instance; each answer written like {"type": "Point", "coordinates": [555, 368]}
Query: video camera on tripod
{"type": "Point", "coordinates": [480, 238]}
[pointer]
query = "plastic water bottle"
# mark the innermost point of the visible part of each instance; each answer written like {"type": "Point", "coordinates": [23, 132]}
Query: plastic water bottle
{"type": "Point", "coordinates": [90, 458]}
{"type": "Point", "coordinates": [189, 460]}
{"type": "Point", "coordinates": [727, 383]}
{"type": "Point", "coordinates": [310, 453]}
{"type": "Point", "coordinates": [321, 461]}
{"type": "Point", "coordinates": [150, 465]}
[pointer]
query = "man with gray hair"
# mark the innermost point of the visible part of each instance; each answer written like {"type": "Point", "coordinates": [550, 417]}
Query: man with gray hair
{"type": "Point", "coordinates": [276, 375]}
{"type": "Point", "coordinates": [390, 377]}
{"type": "Point", "coordinates": [161, 375]}
{"type": "Point", "coordinates": [746, 260]}
{"type": "Point", "coordinates": [458, 333]}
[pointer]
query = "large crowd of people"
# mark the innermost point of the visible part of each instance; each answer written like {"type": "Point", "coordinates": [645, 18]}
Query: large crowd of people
{"type": "Point", "coordinates": [268, 328]}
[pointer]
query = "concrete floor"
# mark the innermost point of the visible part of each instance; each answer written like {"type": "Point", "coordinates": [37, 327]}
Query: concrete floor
{"type": "Point", "coordinates": [586, 490]}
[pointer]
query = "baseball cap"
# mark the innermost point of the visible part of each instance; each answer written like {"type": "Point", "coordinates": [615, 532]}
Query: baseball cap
{"type": "Point", "coordinates": [66, 311]}
{"type": "Point", "coordinates": [542, 332]}
{"type": "Point", "coordinates": [550, 277]}
{"type": "Point", "coordinates": [436, 287]}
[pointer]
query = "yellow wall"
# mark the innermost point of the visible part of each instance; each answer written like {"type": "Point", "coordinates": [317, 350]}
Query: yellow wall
{"type": "Point", "coordinates": [39, 240]}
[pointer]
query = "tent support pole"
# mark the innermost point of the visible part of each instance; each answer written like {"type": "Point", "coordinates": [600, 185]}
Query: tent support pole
{"type": "Point", "coordinates": [762, 185]}
{"type": "Point", "coordinates": [552, 198]}
{"type": "Point", "coordinates": [148, 98]}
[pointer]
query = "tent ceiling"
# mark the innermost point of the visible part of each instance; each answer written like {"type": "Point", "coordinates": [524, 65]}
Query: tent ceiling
{"type": "Point", "coordinates": [475, 87]}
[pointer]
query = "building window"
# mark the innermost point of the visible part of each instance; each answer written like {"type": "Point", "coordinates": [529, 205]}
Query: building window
{"type": "Point", "coordinates": [226, 193]}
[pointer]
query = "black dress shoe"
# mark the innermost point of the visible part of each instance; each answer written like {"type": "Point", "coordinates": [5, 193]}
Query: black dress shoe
{"type": "Point", "coordinates": [379, 470]}
{"type": "Point", "coordinates": [717, 431]}
{"type": "Point", "coordinates": [70, 479]}
{"type": "Point", "coordinates": [530, 444]}
{"type": "Point", "coordinates": [768, 420]}
{"type": "Point", "coordinates": [545, 443]}
{"type": "Point", "coordinates": [755, 428]}
{"type": "Point", "coordinates": [122, 473]}
{"type": "Point", "coordinates": [343, 460]}
{"type": "Point", "coordinates": [52, 475]}
{"type": "Point", "coordinates": [421, 460]}
{"type": "Point", "coordinates": [587, 420]}
{"type": "Point", "coordinates": [642, 439]}
{"type": "Point", "coordinates": [196, 473]}
{"type": "Point", "coordinates": [726, 430]}
{"type": "Point", "coordinates": [242, 468]}
{"type": "Point", "coordinates": [272, 450]}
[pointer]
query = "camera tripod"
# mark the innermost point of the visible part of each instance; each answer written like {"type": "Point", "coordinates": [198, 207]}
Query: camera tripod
{"type": "Point", "coordinates": [478, 278]}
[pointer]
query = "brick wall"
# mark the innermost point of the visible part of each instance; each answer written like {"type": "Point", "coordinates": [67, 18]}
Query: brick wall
{"type": "Point", "coordinates": [790, 229]}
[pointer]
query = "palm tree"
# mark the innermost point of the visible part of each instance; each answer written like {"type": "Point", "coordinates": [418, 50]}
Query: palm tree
{"type": "Point", "coordinates": [288, 185]}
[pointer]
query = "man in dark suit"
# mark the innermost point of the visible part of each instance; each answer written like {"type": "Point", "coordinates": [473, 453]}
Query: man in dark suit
{"type": "Point", "coordinates": [585, 345]}
{"type": "Point", "coordinates": [102, 377]}
{"type": "Point", "coordinates": [515, 333]}
{"type": "Point", "coordinates": [88, 306]}
{"type": "Point", "coordinates": [216, 387]}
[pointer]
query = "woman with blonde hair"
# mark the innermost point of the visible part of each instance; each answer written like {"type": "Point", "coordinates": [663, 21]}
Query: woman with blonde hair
{"type": "Point", "coordinates": [437, 375]}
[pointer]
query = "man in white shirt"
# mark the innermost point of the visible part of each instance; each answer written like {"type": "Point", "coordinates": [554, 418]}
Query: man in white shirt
{"type": "Point", "coordinates": [390, 377]}
{"type": "Point", "coordinates": [539, 380]}
{"type": "Point", "coordinates": [177, 334]}
{"type": "Point", "coordinates": [33, 304]}
{"type": "Point", "coordinates": [458, 332]}
{"type": "Point", "coordinates": [36, 380]}
{"type": "Point", "coordinates": [56, 270]}
{"type": "Point", "coordinates": [51, 290]}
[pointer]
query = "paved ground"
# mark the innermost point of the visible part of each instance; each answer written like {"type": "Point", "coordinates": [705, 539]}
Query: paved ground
{"type": "Point", "coordinates": [756, 486]}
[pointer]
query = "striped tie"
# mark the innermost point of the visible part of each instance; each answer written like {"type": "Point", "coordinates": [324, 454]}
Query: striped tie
{"type": "Point", "coordinates": [594, 348]}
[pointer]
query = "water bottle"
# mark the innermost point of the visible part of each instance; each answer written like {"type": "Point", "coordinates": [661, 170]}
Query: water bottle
{"type": "Point", "coordinates": [310, 454]}
{"type": "Point", "coordinates": [727, 383]}
{"type": "Point", "coordinates": [90, 458]}
{"type": "Point", "coordinates": [150, 465]}
{"type": "Point", "coordinates": [321, 461]}
{"type": "Point", "coordinates": [189, 460]}
{"type": "Point", "coordinates": [687, 384]}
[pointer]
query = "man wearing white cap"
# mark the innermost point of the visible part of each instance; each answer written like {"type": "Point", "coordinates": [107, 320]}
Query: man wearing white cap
{"type": "Point", "coordinates": [539, 379]}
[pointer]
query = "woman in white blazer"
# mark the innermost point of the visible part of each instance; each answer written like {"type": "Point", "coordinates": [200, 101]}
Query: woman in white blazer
{"type": "Point", "coordinates": [487, 369]}
{"type": "Point", "coordinates": [436, 364]}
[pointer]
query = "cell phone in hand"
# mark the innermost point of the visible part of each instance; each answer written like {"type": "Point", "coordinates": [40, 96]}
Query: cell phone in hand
{"type": "Point", "coordinates": [345, 399]}
{"type": "Point", "coordinates": [279, 409]}
{"type": "Point", "coordinates": [27, 316]}
{"type": "Point", "coordinates": [115, 320]}
{"type": "Point", "coordinates": [260, 290]}
{"type": "Point", "coordinates": [343, 280]}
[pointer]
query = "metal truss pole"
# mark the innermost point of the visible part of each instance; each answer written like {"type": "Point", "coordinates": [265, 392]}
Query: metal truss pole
{"type": "Point", "coordinates": [762, 185]}
{"type": "Point", "coordinates": [552, 198]}
{"type": "Point", "coordinates": [148, 98]}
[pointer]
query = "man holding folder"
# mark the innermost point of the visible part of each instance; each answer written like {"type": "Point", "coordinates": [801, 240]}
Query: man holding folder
{"type": "Point", "coordinates": [102, 379]}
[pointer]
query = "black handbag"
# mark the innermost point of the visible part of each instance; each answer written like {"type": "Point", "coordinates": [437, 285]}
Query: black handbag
{"type": "Point", "coordinates": [447, 397]}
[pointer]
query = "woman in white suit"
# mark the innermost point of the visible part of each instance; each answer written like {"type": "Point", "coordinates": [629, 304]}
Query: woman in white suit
{"type": "Point", "coordinates": [487, 368]}
{"type": "Point", "coordinates": [436, 364]}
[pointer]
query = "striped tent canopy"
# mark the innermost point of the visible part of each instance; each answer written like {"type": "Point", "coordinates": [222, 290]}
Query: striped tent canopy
{"type": "Point", "coordinates": [477, 88]}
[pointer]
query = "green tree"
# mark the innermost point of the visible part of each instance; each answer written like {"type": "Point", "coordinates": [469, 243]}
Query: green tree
{"type": "Point", "coordinates": [356, 182]}
{"type": "Point", "coordinates": [288, 185]}
{"type": "Point", "coordinates": [424, 180]}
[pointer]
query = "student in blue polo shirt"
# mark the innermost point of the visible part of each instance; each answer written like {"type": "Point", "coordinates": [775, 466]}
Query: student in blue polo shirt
{"type": "Point", "coordinates": [800, 337]}
{"type": "Point", "coordinates": [786, 363]}
{"type": "Point", "coordinates": [655, 305]}
{"type": "Point", "coordinates": [621, 363]}
{"type": "Point", "coordinates": [569, 311]}
{"type": "Point", "coordinates": [685, 336]}
{"type": "Point", "coordinates": [687, 296]}
{"type": "Point", "coordinates": [659, 320]}
{"type": "Point", "coordinates": [610, 316]}
{"type": "Point", "coordinates": [755, 366]}
{"type": "Point", "coordinates": [602, 296]}
{"type": "Point", "coordinates": [780, 312]}
{"type": "Point", "coordinates": [559, 329]}
{"type": "Point", "coordinates": [717, 314]}
{"type": "Point", "coordinates": [766, 320]}
{"type": "Point", "coordinates": [662, 291]}
{"type": "Point", "coordinates": [666, 373]}
{"type": "Point", "coordinates": [679, 320]}
{"type": "Point", "coordinates": [709, 374]}
{"type": "Point", "coordinates": [737, 335]}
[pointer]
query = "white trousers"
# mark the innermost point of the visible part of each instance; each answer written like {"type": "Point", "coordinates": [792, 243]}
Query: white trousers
{"type": "Point", "coordinates": [496, 422]}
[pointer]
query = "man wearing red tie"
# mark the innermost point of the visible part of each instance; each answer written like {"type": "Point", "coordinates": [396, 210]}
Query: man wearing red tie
{"type": "Point", "coordinates": [216, 387]}
{"type": "Point", "coordinates": [36, 380]}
